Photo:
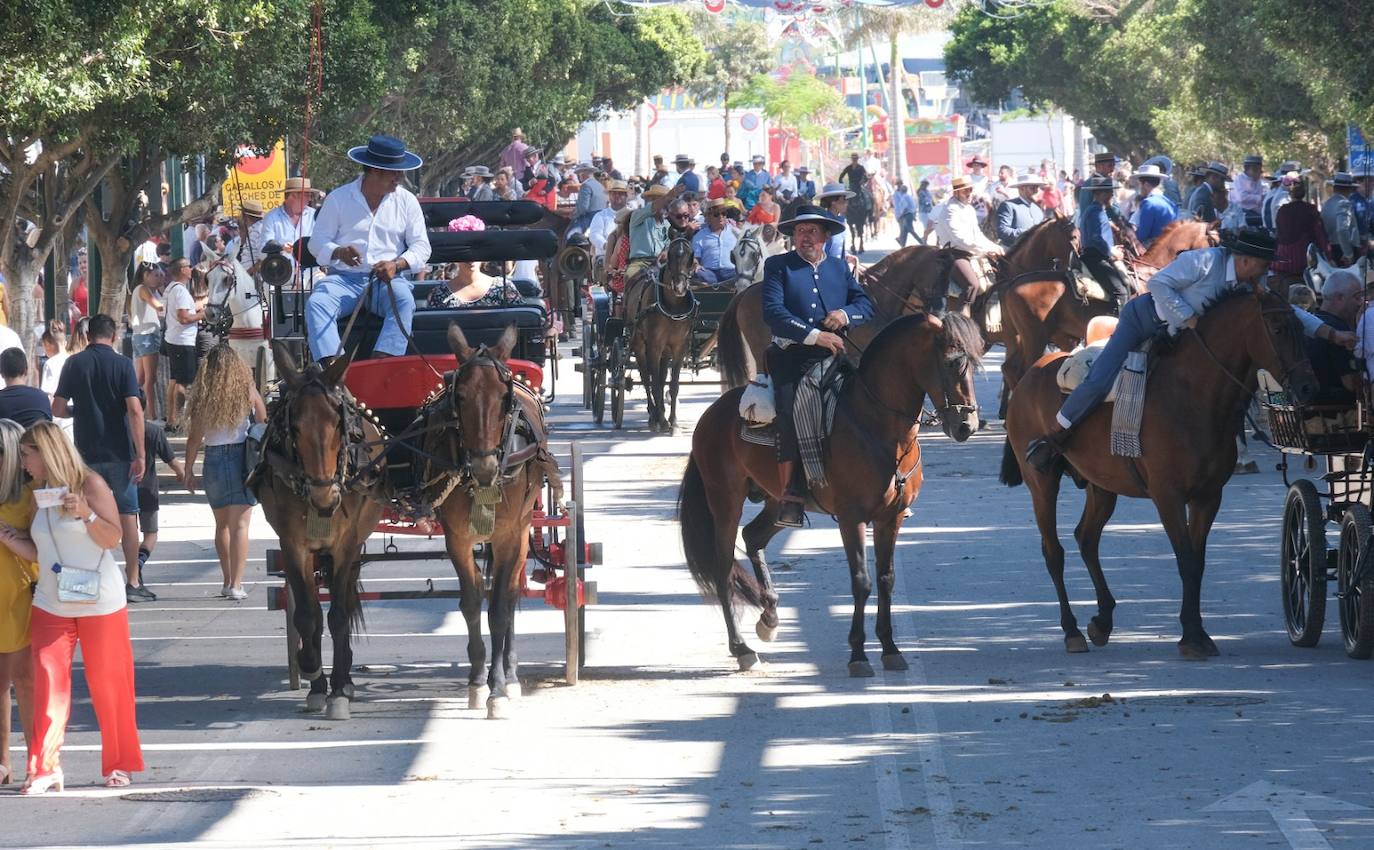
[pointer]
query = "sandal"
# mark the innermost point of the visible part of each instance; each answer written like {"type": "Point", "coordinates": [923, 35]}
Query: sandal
{"type": "Point", "coordinates": [118, 779]}
{"type": "Point", "coordinates": [43, 784]}
{"type": "Point", "coordinates": [5, 775]}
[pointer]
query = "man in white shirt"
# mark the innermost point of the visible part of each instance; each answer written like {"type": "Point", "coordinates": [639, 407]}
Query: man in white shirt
{"type": "Point", "coordinates": [371, 227]}
{"type": "Point", "coordinates": [955, 223]}
{"type": "Point", "coordinates": [785, 181]}
{"type": "Point", "coordinates": [1248, 189]}
{"type": "Point", "coordinates": [293, 221]}
{"type": "Point", "coordinates": [603, 223]}
{"type": "Point", "coordinates": [247, 246]}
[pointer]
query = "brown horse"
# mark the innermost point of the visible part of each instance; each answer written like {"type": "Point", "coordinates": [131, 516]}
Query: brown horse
{"type": "Point", "coordinates": [323, 499]}
{"type": "Point", "coordinates": [661, 311]}
{"type": "Point", "coordinates": [481, 406]}
{"type": "Point", "coordinates": [1040, 314]}
{"type": "Point", "coordinates": [873, 463]}
{"type": "Point", "coordinates": [1198, 392]}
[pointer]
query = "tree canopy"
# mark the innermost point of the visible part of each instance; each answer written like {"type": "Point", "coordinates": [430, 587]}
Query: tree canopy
{"type": "Point", "coordinates": [1193, 78]}
{"type": "Point", "coordinates": [800, 104]}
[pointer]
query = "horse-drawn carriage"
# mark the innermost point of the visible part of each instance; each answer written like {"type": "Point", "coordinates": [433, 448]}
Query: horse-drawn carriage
{"type": "Point", "coordinates": [1338, 434]}
{"type": "Point", "coordinates": [414, 443]}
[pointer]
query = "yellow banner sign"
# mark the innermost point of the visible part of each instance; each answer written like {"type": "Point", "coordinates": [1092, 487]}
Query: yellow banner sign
{"type": "Point", "coordinates": [256, 178]}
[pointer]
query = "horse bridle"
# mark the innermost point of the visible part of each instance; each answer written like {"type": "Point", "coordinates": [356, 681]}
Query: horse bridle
{"type": "Point", "coordinates": [466, 455]}
{"type": "Point", "coordinates": [945, 383]}
{"type": "Point", "coordinates": [347, 419]}
{"type": "Point", "coordinates": [1287, 312]}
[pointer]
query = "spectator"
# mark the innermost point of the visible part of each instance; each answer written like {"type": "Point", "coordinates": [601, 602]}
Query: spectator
{"type": "Point", "coordinates": [183, 319]}
{"type": "Point", "coordinates": [1299, 224]}
{"type": "Point", "coordinates": [17, 574]}
{"type": "Point", "coordinates": [145, 317]}
{"type": "Point", "coordinates": [54, 342]}
{"type": "Point", "coordinates": [77, 289]}
{"type": "Point", "coordinates": [1337, 371]}
{"type": "Point", "coordinates": [81, 336]}
{"type": "Point", "coordinates": [80, 532]}
{"type": "Point", "coordinates": [164, 257]}
{"type": "Point", "coordinates": [19, 401]}
{"type": "Point", "coordinates": [155, 446]}
{"type": "Point", "coordinates": [100, 383]}
{"type": "Point", "coordinates": [1300, 295]}
{"type": "Point", "coordinates": [765, 209]}
{"type": "Point", "coordinates": [904, 208]}
{"type": "Point", "coordinates": [219, 412]}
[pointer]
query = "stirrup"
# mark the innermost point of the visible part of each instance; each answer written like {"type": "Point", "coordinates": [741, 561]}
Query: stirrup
{"type": "Point", "coordinates": [791, 514]}
{"type": "Point", "coordinates": [1043, 454]}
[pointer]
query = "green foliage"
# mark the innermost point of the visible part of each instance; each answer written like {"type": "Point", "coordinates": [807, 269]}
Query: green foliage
{"type": "Point", "coordinates": [738, 51]}
{"type": "Point", "coordinates": [801, 104]}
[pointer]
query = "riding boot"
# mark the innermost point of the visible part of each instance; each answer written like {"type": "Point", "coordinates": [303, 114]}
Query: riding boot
{"type": "Point", "coordinates": [1044, 453]}
{"type": "Point", "coordinates": [792, 510]}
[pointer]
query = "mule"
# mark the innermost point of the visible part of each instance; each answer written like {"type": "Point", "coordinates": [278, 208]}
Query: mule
{"type": "Point", "coordinates": [483, 403]}
{"type": "Point", "coordinates": [1198, 392]}
{"type": "Point", "coordinates": [873, 464]}
{"type": "Point", "coordinates": [661, 311]}
{"type": "Point", "coordinates": [323, 498]}
{"type": "Point", "coordinates": [233, 287]}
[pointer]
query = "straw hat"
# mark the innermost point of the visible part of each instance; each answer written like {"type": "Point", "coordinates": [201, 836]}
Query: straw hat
{"type": "Point", "coordinates": [296, 184]}
{"type": "Point", "coordinates": [252, 207]}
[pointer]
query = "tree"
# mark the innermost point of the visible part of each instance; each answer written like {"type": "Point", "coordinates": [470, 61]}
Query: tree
{"type": "Point", "coordinates": [739, 51]}
{"type": "Point", "coordinates": [801, 105]}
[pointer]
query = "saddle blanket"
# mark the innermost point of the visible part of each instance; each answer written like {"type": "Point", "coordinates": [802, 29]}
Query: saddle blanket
{"type": "Point", "coordinates": [1127, 395]}
{"type": "Point", "coordinates": [813, 414]}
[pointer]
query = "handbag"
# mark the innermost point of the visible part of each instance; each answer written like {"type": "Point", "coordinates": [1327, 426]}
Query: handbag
{"type": "Point", "coordinates": [74, 584]}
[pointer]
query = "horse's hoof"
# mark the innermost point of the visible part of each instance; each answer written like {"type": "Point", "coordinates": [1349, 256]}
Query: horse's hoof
{"type": "Point", "coordinates": [860, 670]}
{"type": "Point", "coordinates": [513, 690]}
{"type": "Point", "coordinates": [338, 709]}
{"type": "Point", "coordinates": [1075, 643]}
{"type": "Point", "coordinates": [477, 695]}
{"type": "Point", "coordinates": [895, 661]}
{"type": "Point", "coordinates": [748, 661]}
{"type": "Point", "coordinates": [314, 703]}
{"type": "Point", "coordinates": [765, 632]}
{"type": "Point", "coordinates": [1099, 636]}
{"type": "Point", "coordinates": [498, 708]}
{"type": "Point", "coordinates": [1197, 650]}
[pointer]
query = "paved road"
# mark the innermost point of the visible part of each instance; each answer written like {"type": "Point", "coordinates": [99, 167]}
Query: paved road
{"type": "Point", "coordinates": [994, 738]}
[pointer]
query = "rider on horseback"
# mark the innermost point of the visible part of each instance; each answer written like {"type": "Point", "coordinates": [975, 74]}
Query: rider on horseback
{"type": "Point", "coordinates": [1178, 294]}
{"type": "Point", "coordinates": [955, 223]}
{"type": "Point", "coordinates": [834, 199]}
{"type": "Point", "coordinates": [807, 297]}
{"type": "Point", "coordinates": [1100, 252]}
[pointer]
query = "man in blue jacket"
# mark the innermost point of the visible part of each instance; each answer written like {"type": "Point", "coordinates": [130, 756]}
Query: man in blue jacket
{"type": "Point", "coordinates": [807, 298]}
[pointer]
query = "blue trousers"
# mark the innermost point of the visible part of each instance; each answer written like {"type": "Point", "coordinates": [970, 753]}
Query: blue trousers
{"type": "Point", "coordinates": [907, 221]}
{"type": "Point", "coordinates": [715, 277]}
{"type": "Point", "coordinates": [1138, 322]}
{"type": "Point", "coordinates": [335, 296]}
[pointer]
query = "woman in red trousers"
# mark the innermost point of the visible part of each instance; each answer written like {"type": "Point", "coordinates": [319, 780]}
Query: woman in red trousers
{"type": "Point", "coordinates": [79, 531]}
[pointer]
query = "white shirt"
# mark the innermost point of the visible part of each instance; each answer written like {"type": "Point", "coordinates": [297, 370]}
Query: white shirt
{"type": "Point", "coordinates": [52, 370]}
{"type": "Point", "coordinates": [396, 230]}
{"type": "Point", "coordinates": [249, 252]}
{"type": "Point", "coordinates": [785, 183]}
{"type": "Point", "coordinates": [278, 225]}
{"type": "Point", "coordinates": [601, 228]}
{"type": "Point", "coordinates": [179, 298]}
{"type": "Point", "coordinates": [9, 339]}
{"type": "Point", "coordinates": [956, 224]}
{"type": "Point", "coordinates": [1247, 192]}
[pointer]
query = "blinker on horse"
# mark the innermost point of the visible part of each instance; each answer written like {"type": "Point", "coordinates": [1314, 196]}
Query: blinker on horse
{"type": "Point", "coordinates": [873, 467]}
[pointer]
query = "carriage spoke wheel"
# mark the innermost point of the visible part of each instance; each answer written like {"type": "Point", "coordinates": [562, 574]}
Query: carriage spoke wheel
{"type": "Point", "coordinates": [1356, 596]}
{"type": "Point", "coordinates": [617, 381]}
{"type": "Point", "coordinates": [1302, 566]}
{"type": "Point", "coordinates": [588, 362]}
{"type": "Point", "coordinates": [597, 368]}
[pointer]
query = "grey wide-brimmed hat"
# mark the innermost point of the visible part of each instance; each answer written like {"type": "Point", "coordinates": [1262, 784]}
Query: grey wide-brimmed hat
{"type": "Point", "coordinates": [1217, 168]}
{"type": "Point", "coordinates": [479, 171]}
{"type": "Point", "coordinates": [385, 152]}
{"type": "Point", "coordinates": [806, 213]}
{"type": "Point", "coordinates": [833, 190]}
{"type": "Point", "coordinates": [1343, 180]}
{"type": "Point", "coordinates": [1030, 178]}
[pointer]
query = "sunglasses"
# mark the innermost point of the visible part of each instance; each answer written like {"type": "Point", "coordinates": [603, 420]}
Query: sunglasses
{"type": "Point", "coordinates": [715, 214]}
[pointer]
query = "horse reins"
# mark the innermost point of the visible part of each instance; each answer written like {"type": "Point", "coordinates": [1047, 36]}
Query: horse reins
{"type": "Point", "coordinates": [1268, 338]}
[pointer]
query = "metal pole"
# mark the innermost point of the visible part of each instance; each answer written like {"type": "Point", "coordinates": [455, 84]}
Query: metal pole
{"type": "Point", "coordinates": [571, 558]}
{"type": "Point", "coordinates": [863, 84]}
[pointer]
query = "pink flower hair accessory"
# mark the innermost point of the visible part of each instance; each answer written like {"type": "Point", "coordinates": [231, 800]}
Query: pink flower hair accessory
{"type": "Point", "coordinates": [466, 223]}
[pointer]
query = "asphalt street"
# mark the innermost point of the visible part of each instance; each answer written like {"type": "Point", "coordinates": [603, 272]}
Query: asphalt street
{"type": "Point", "coordinates": [994, 738]}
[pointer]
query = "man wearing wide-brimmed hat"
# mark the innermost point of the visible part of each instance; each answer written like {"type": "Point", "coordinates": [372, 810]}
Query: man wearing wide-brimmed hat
{"type": "Point", "coordinates": [540, 179]}
{"type": "Point", "coordinates": [603, 222]}
{"type": "Point", "coordinates": [806, 187]}
{"type": "Point", "coordinates": [1017, 215]}
{"type": "Point", "coordinates": [955, 223]}
{"type": "Point", "coordinates": [753, 182]}
{"type": "Point", "coordinates": [1156, 211]}
{"type": "Point", "coordinates": [246, 247]}
{"type": "Point", "coordinates": [1101, 254]}
{"type": "Point", "coordinates": [479, 187]}
{"type": "Point", "coordinates": [1338, 216]}
{"type": "Point", "coordinates": [1248, 190]}
{"type": "Point", "coordinates": [591, 198]}
{"type": "Point", "coordinates": [686, 174]}
{"type": "Point", "coordinates": [807, 297]}
{"type": "Point", "coordinates": [292, 220]}
{"type": "Point", "coordinates": [1202, 202]}
{"type": "Point", "coordinates": [371, 228]}
{"type": "Point", "coordinates": [834, 199]}
{"type": "Point", "coordinates": [513, 154]}
{"type": "Point", "coordinates": [712, 246]}
{"type": "Point", "coordinates": [1178, 294]}
{"type": "Point", "coordinates": [1104, 164]}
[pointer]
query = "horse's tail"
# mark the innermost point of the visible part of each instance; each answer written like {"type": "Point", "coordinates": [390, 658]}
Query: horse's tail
{"type": "Point", "coordinates": [699, 542]}
{"type": "Point", "coordinates": [1011, 470]}
{"type": "Point", "coordinates": [732, 354]}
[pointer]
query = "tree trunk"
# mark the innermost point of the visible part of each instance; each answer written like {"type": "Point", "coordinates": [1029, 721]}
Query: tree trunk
{"type": "Point", "coordinates": [26, 265]}
{"type": "Point", "coordinates": [897, 115]}
{"type": "Point", "coordinates": [115, 253]}
{"type": "Point", "coordinates": [727, 124]}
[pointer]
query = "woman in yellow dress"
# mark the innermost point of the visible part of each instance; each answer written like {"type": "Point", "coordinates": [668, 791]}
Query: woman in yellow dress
{"type": "Point", "coordinates": [17, 577]}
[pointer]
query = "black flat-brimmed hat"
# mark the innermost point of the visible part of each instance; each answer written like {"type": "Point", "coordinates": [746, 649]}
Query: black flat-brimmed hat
{"type": "Point", "coordinates": [1252, 243]}
{"type": "Point", "coordinates": [806, 213]}
{"type": "Point", "coordinates": [1100, 183]}
{"type": "Point", "coordinates": [385, 152]}
{"type": "Point", "coordinates": [1106, 156]}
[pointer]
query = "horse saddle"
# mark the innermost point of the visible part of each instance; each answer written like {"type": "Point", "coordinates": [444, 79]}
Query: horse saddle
{"type": "Point", "coordinates": [1127, 394]}
{"type": "Point", "coordinates": [982, 267]}
{"type": "Point", "coordinates": [1073, 370]}
{"type": "Point", "coordinates": [1087, 287]}
{"type": "Point", "coordinates": [813, 412]}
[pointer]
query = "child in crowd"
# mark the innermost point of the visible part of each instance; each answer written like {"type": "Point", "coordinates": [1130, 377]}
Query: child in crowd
{"type": "Point", "coordinates": [155, 447]}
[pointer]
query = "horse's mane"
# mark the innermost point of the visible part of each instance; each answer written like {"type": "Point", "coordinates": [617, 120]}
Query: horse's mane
{"type": "Point", "coordinates": [1167, 343]}
{"type": "Point", "coordinates": [1027, 236]}
{"type": "Point", "coordinates": [963, 331]}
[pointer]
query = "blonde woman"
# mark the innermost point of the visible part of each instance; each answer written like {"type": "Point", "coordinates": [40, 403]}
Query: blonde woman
{"type": "Point", "coordinates": [145, 318]}
{"type": "Point", "coordinates": [17, 575]}
{"type": "Point", "coordinates": [221, 401]}
{"type": "Point", "coordinates": [81, 336]}
{"type": "Point", "coordinates": [79, 531]}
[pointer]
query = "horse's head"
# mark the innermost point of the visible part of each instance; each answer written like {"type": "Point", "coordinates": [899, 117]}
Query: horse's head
{"type": "Point", "coordinates": [748, 255]}
{"type": "Point", "coordinates": [677, 269]}
{"type": "Point", "coordinates": [958, 355]}
{"type": "Point", "coordinates": [1279, 348]}
{"type": "Point", "coordinates": [317, 416]}
{"type": "Point", "coordinates": [933, 357]}
{"type": "Point", "coordinates": [482, 394]}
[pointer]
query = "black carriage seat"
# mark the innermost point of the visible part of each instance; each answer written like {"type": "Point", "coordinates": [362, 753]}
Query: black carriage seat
{"type": "Point", "coordinates": [481, 325]}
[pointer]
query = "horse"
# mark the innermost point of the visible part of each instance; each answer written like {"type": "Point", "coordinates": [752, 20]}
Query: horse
{"type": "Point", "coordinates": [755, 245]}
{"type": "Point", "coordinates": [243, 298]}
{"type": "Point", "coordinates": [1040, 314]}
{"type": "Point", "coordinates": [878, 205]}
{"type": "Point", "coordinates": [857, 216]}
{"type": "Point", "coordinates": [321, 488]}
{"type": "Point", "coordinates": [1198, 393]}
{"type": "Point", "coordinates": [662, 312]}
{"type": "Point", "coordinates": [872, 458]}
{"type": "Point", "coordinates": [480, 407]}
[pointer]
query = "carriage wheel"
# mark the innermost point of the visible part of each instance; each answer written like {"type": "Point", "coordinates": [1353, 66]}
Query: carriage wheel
{"type": "Point", "coordinates": [616, 378]}
{"type": "Point", "coordinates": [588, 379]}
{"type": "Point", "coordinates": [598, 368]}
{"type": "Point", "coordinates": [1356, 592]}
{"type": "Point", "coordinates": [1302, 564]}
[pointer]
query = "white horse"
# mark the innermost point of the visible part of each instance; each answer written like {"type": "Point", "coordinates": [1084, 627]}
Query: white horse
{"type": "Point", "coordinates": [1319, 269]}
{"type": "Point", "coordinates": [756, 244]}
{"type": "Point", "coordinates": [248, 335]}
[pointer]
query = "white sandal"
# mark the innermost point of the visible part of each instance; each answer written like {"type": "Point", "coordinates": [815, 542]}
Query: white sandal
{"type": "Point", "coordinates": [5, 775]}
{"type": "Point", "coordinates": [118, 779]}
